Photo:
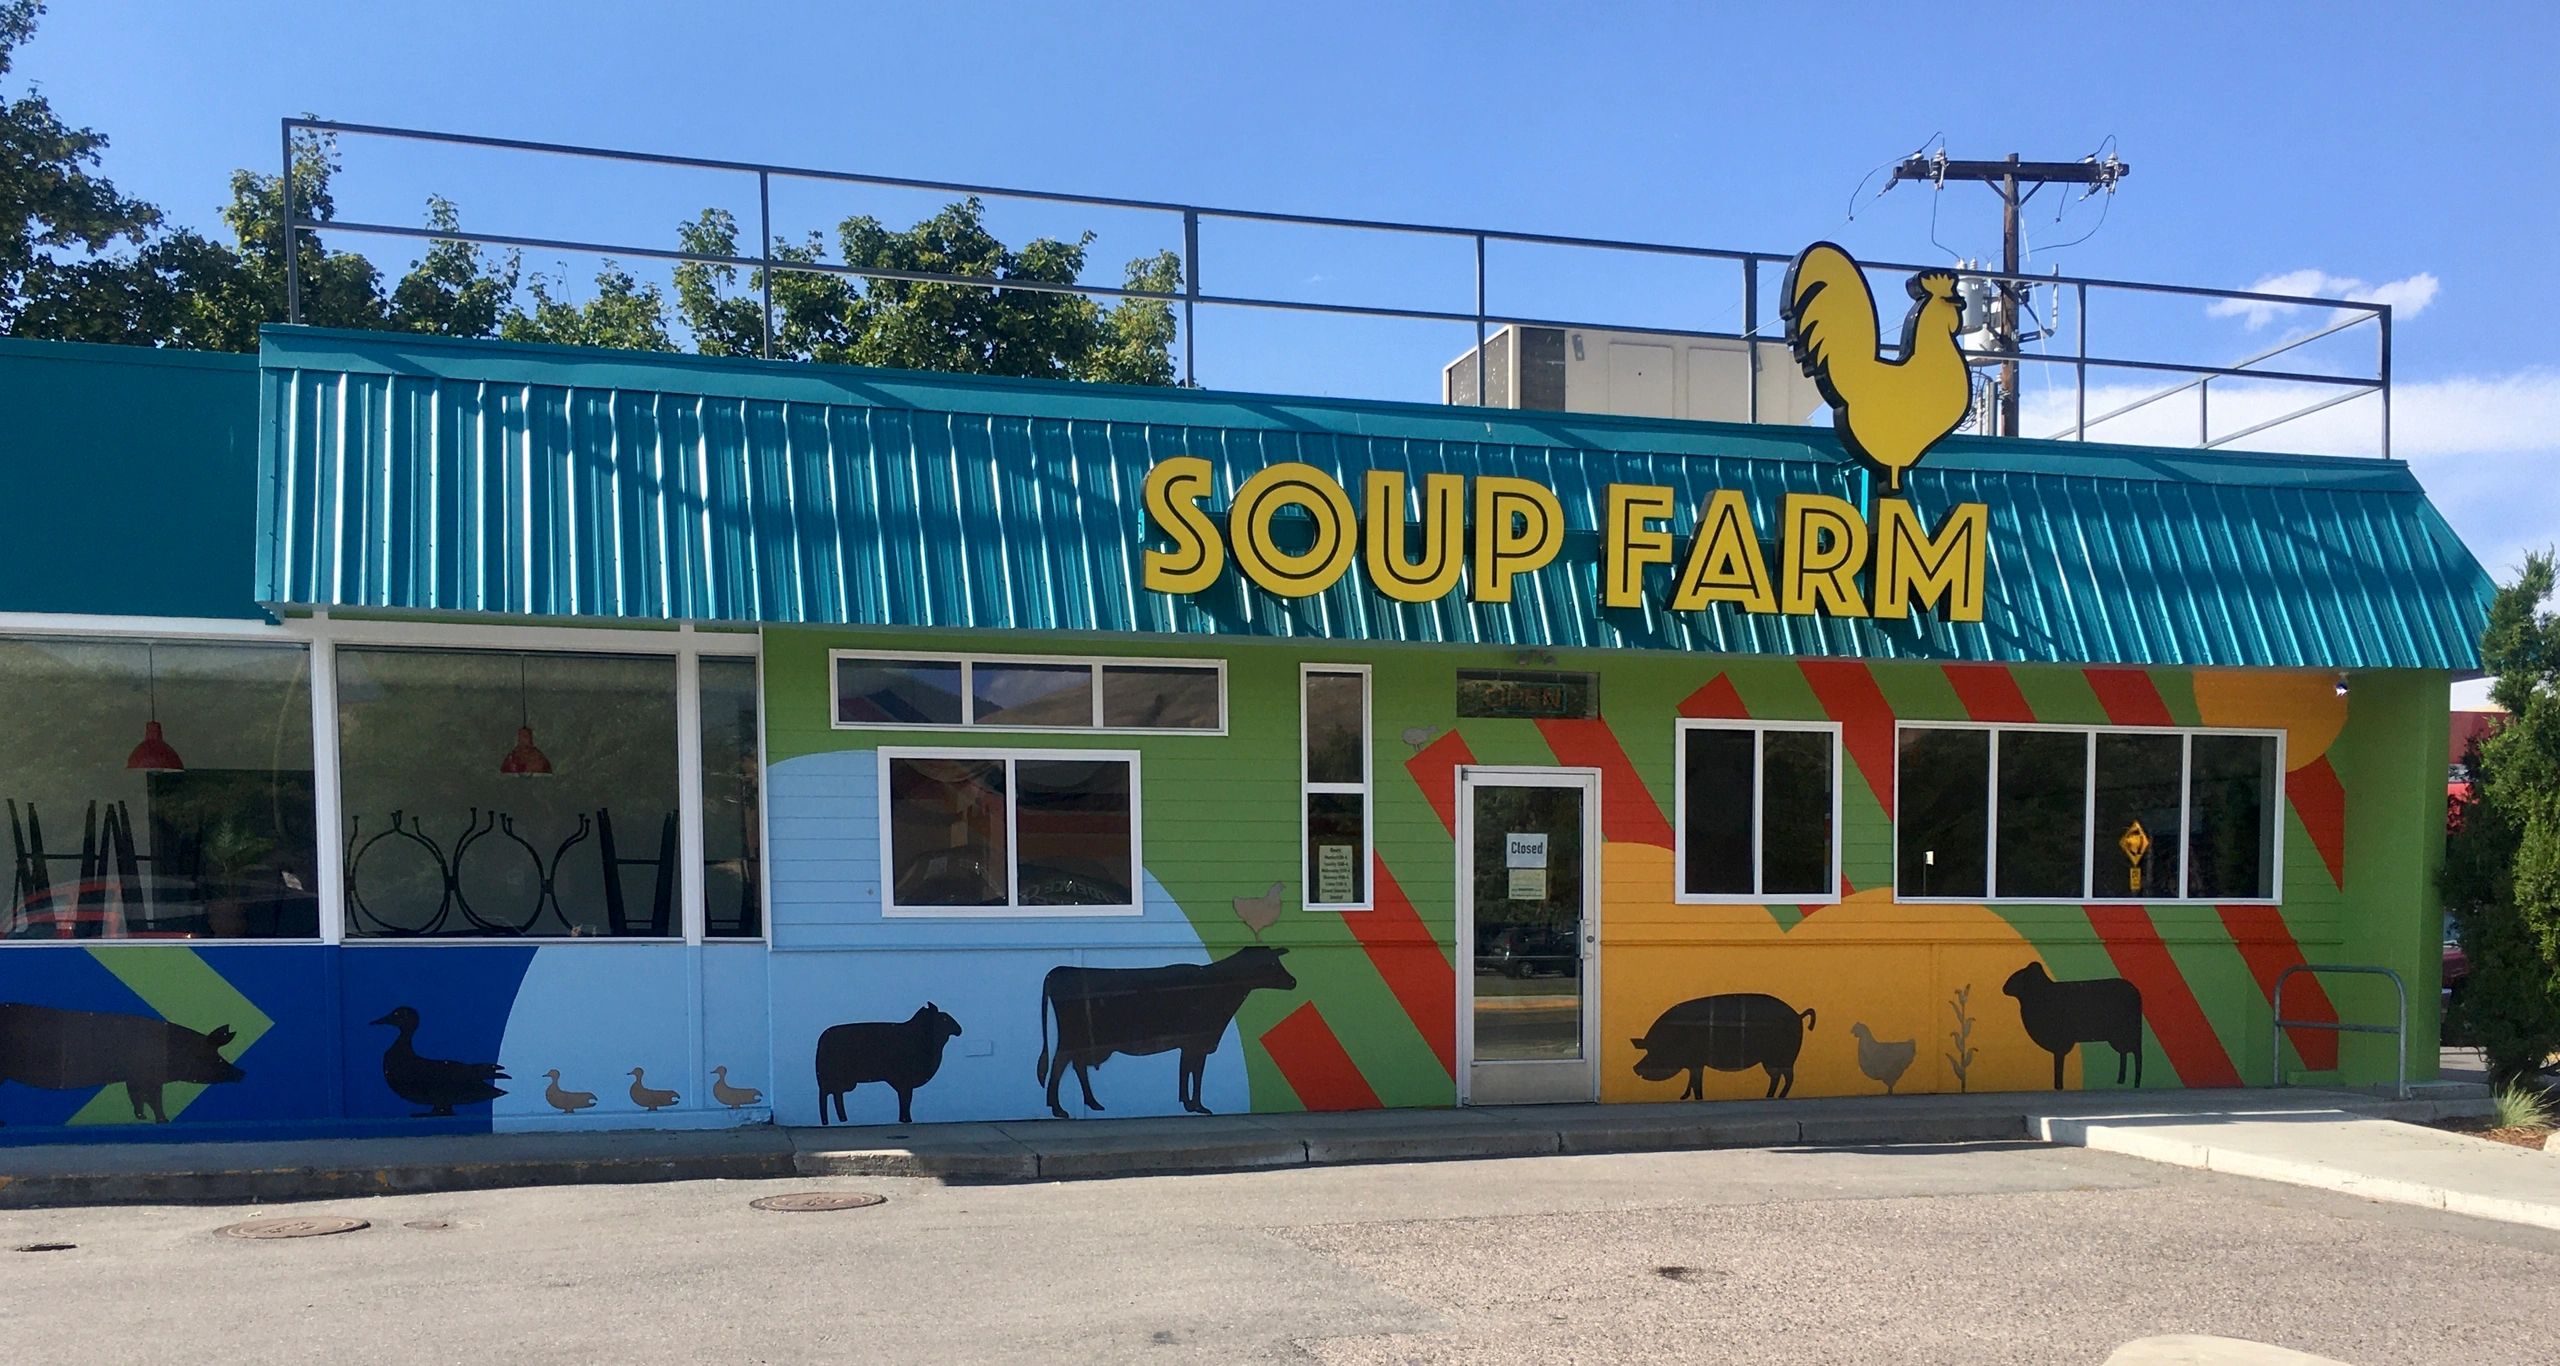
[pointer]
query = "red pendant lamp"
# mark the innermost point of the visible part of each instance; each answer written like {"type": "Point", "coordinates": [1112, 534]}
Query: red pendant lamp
{"type": "Point", "coordinates": [526, 760]}
{"type": "Point", "coordinates": [154, 754]}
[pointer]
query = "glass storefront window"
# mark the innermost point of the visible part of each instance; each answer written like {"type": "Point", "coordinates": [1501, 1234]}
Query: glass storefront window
{"type": "Point", "coordinates": [2135, 854]}
{"type": "Point", "coordinates": [732, 811]}
{"type": "Point", "coordinates": [505, 794]}
{"type": "Point", "coordinates": [1019, 693]}
{"type": "Point", "coordinates": [1756, 808]}
{"type": "Point", "coordinates": [2231, 849]}
{"type": "Point", "coordinates": [1047, 832]}
{"type": "Point", "coordinates": [1942, 813]}
{"type": "Point", "coordinates": [2044, 813]}
{"type": "Point", "coordinates": [157, 790]}
{"type": "Point", "coordinates": [1333, 779]}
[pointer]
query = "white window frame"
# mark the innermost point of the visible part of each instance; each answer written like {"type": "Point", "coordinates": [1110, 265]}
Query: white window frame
{"type": "Point", "coordinates": [1759, 896]}
{"type": "Point", "coordinates": [2186, 735]}
{"type": "Point", "coordinates": [322, 635]}
{"type": "Point", "coordinates": [1365, 790]}
{"type": "Point", "coordinates": [969, 698]}
{"type": "Point", "coordinates": [1013, 909]}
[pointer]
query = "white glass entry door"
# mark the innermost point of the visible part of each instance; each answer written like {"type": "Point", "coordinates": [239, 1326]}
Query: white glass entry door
{"type": "Point", "coordinates": [1528, 935]}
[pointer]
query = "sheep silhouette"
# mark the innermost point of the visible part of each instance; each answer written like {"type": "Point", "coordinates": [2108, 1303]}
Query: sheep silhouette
{"type": "Point", "coordinates": [2062, 1015]}
{"type": "Point", "coordinates": [904, 1053]}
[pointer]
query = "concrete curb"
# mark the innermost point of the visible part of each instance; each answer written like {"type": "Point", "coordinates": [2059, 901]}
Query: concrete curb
{"type": "Point", "coordinates": [1084, 1149]}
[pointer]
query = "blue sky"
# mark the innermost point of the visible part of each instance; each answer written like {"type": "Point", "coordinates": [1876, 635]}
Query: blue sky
{"type": "Point", "coordinates": [2352, 148]}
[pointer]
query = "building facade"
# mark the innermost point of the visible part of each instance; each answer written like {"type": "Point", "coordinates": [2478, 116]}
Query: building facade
{"type": "Point", "coordinates": [414, 735]}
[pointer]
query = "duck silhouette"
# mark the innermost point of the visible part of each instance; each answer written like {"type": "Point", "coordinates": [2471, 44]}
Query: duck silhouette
{"type": "Point", "coordinates": [732, 1096]}
{"type": "Point", "coordinates": [566, 1102]}
{"type": "Point", "coordinates": [648, 1097]}
{"type": "Point", "coordinates": [433, 1082]}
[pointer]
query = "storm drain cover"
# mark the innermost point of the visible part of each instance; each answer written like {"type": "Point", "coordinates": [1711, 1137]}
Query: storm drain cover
{"type": "Point", "coordinates": [299, 1226]}
{"type": "Point", "coordinates": [810, 1202]}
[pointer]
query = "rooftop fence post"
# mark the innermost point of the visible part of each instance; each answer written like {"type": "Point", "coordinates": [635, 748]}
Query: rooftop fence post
{"type": "Point", "coordinates": [1483, 399]}
{"type": "Point", "coordinates": [2384, 319]}
{"type": "Point", "coordinates": [2204, 411]}
{"type": "Point", "coordinates": [292, 258]}
{"type": "Point", "coordinates": [764, 251]}
{"type": "Point", "coordinates": [1751, 338]}
{"type": "Point", "coordinates": [2080, 361]}
{"type": "Point", "coordinates": [1190, 297]}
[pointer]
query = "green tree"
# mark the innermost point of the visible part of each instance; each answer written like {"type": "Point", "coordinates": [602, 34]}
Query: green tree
{"type": "Point", "coordinates": [990, 329]}
{"type": "Point", "coordinates": [2502, 860]}
{"type": "Point", "coordinates": [57, 218]}
{"type": "Point", "coordinates": [623, 313]}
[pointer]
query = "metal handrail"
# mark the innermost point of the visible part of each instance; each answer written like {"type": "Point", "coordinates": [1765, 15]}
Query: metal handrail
{"type": "Point", "coordinates": [2399, 1032]}
{"type": "Point", "coordinates": [1190, 297]}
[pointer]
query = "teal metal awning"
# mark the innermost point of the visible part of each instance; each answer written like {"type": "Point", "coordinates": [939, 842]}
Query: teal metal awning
{"type": "Point", "coordinates": [409, 474]}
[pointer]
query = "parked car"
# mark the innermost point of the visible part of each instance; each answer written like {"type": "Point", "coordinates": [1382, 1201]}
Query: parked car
{"type": "Point", "coordinates": [1533, 950]}
{"type": "Point", "coordinates": [2457, 975]}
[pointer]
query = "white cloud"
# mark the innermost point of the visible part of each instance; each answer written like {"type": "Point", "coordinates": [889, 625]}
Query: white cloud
{"type": "Point", "coordinates": [2483, 445]}
{"type": "Point", "coordinates": [2407, 297]}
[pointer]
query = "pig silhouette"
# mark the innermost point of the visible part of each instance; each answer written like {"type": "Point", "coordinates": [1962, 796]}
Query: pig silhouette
{"type": "Point", "coordinates": [1728, 1033]}
{"type": "Point", "coordinates": [70, 1050]}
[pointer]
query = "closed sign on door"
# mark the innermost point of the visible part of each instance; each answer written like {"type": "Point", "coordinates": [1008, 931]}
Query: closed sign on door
{"type": "Point", "coordinates": [1524, 851]}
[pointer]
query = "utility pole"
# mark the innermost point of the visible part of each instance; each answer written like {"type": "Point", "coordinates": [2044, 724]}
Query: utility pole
{"type": "Point", "coordinates": [2016, 182]}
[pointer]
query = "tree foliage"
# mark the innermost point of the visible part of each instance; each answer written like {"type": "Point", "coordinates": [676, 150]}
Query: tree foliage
{"type": "Point", "coordinates": [80, 261]}
{"type": "Point", "coordinates": [2502, 861]}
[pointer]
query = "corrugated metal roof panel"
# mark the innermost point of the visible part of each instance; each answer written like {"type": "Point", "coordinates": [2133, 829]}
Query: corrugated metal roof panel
{"type": "Point", "coordinates": [411, 474]}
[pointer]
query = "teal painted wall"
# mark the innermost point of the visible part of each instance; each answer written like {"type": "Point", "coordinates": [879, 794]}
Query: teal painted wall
{"type": "Point", "coordinates": [131, 480]}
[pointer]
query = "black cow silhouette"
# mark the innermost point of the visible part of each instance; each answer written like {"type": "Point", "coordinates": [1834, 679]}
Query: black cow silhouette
{"type": "Point", "coordinates": [435, 1083]}
{"type": "Point", "coordinates": [1185, 1006]}
{"type": "Point", "coordinates": [72, 1050]}
{"type": "Point", "coordinates": [1728, 1033]}
{"type": "Point", "coordinates": [2060, 1015]}
{"type": "Point", "coordinates": [904, 1053]}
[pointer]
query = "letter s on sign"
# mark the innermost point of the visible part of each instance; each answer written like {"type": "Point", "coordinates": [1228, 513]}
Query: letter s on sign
{"type": "Point", "coordinates": [1174, 490]}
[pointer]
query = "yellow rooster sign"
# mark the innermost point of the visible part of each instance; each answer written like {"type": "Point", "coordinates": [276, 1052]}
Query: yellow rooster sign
{"type": "Point", "coordinates": [1887, 411]}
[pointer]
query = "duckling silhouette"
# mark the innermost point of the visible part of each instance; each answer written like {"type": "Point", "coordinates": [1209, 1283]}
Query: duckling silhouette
{"type": "Point", "coordinates": [648, 1097]}
{"type": "Point", "coordinates": [732, 1096]}
{"type": "Point", "coordinates": [566, 1102]}
{"type": "Point", "coordinates": [433, 1082]}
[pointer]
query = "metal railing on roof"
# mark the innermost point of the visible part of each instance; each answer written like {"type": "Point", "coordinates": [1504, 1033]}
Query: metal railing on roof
{"type": "Point", "coordinates": [1757, 323]}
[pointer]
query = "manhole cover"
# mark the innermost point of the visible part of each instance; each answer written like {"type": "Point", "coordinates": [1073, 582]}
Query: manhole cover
{"type": "Point", "coordinates": [809, 1202]}
{"type": "Point", "coordinates": [300, 1226]}
{"type": "Point", "coordinates": [44, 1247]}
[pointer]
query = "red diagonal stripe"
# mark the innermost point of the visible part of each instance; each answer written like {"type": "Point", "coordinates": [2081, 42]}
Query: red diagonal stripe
{"type": "Point", "coordinates": [1989, 692]}
{"type": "Point", "coordinates": [2169, 1005]}
{"type": "Point", "coordinates": [1627, 810]}
{"type": "Point", "coordinates": [1313, 1062]}
{"type": "Point", "coordinates": [1410, 962]}
{"type": "Point", "coordinates": [1434, 769]}
{"type": "Point", "coordinates": [1849, 695]}
{"type": "Point", "coordinates": [2321, 802]}
{"type": "Point", "coordinates": [1718, 700]}
{"type": "Point", "coordinates": [2129, 696]}
{"type": "Point", "coordinates": [2267, 945]}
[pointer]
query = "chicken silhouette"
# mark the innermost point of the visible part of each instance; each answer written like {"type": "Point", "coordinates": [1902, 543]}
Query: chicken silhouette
{"type": "Point", "coordinates": [734, 1097]}
{"type": "Point", "coordinates": [566, 1102]}
{"type": "Point", "coordinates": [1884, 1062]}
{"type": "Point", "coordinates": [648, 1097]}
{"type": "Point", "coordinates": [437, 1083]}
{"type": "Point", "coordinates": [1260, 913]}
{"type": "Point", "coordinates": [1887, 411]}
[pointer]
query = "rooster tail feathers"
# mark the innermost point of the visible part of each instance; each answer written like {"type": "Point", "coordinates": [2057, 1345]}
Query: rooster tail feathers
{"type": "Point", "coordinates": [1829, 312]}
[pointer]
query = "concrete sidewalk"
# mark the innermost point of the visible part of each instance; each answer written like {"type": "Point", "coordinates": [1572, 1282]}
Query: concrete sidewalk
{"type": "Point", "coordinates": [2337, 1150]}
{"type": "Point", "coordinates": [2179, 1125]}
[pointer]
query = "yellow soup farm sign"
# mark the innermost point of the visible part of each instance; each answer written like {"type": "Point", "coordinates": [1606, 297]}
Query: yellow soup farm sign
{"type": "Point", "coordinates": [1824, 544]}
{"type": "Point", "coordinates": [1888, 412]}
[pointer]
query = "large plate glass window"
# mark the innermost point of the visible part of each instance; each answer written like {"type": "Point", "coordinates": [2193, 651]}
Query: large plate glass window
{"type": "Point", "coordinates": [1047, 832]}
{"type": "Point", "coordinates": [888, 692]}
{"type": "Point", "coordinates": [1759, 812]}
{"type": "Point", "coordinates": [1334, 704]}
{"type": "Point", "coordinates": [157, 790]}
{"type": "Point", "coordinates": [2086, 814]}
{"type": "Point", "coordinates": [505, 794]}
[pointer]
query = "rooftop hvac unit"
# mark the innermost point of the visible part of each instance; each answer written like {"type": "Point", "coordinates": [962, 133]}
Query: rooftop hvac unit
{"type": "Point", "coordinates": [1634, 374]}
